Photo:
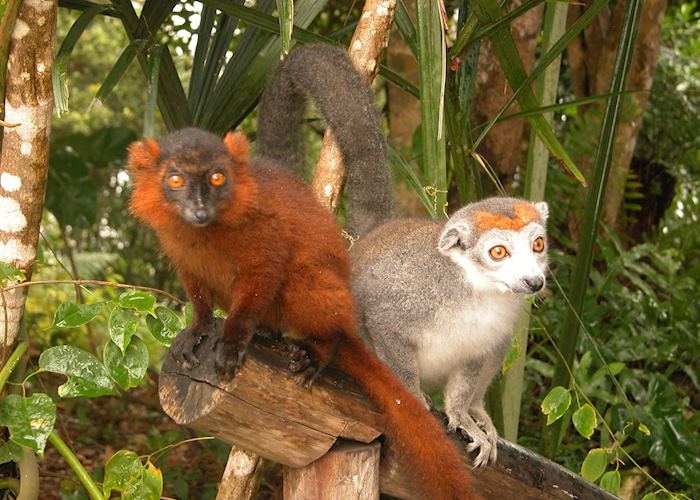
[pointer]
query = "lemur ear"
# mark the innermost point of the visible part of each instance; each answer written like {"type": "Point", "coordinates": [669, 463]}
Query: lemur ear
{"type": "Point", "coordinates": [542, 209]}
{"type": "Point", "coordinates": [143, 154]}
{"type": "Point", "coordinates": [237, 145]}
{"type": "Point", "coordinates": [454, 235]}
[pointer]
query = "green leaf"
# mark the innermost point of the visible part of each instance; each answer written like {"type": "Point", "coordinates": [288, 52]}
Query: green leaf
{"type": "Point", "coordinates": [60, 65]}
{"type": "Point", "coordinates": [122, 326]}
{"type": "Point", "coordinates": [165, 326]}
{"type": "Point", "coordinates": [285, 12]}
{"type": "Point", "coordinates": [404, 23]}
{"type": "Point", "coordinates": [585, 420]}
{"type": "Point", "coordinates": [431, 56]}
{"type": "Point", "coordinates": [122, 470]}
{"type": "Point", "coordinates": [30, 420]}
{"type": "Point", "coordinates": [556, 403]}
{"type": "Point", "coordinates": [70, 314]}
{"type": "Point", "coordinates": [119, 68]}
{"type": "Point", "coordinates": [141, 301]}
{"type": "Point", "coordinates": [611, 482]}
{"type": "Point", "coordinates": [149, 120]}
{"type": "Point", "coordinates": [128, 368]}
{"type": "Point", "coordinates": [643, 428]}
{"type": "Point", "coordinates": [10, 274]}
{"type": "Point", "coordinates": [649, 496]}
{"type": "Point", "coordinates": [404, 169]}
{"type": "Point", "coordinates": [594, 464]}
{"type": "Point", "coordinates": [86, 375]}
{"type": "Point", "coordinates": [149, 488]}
{"type": "Point", "coordinates": [10, 452]}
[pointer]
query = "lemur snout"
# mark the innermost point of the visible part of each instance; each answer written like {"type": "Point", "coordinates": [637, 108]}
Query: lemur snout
{"type": "Point", "coordinates": [534, 283]}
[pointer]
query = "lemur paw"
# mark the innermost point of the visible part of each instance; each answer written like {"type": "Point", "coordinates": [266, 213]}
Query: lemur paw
{"type": "Point", "coordinates": [188, 354]}
{"type": "Point", "coordinates": [228, 356]}
{"type": "Point", "coordinates": [481, 442]}
{"type": "Point", "coordinates": [303, 366]}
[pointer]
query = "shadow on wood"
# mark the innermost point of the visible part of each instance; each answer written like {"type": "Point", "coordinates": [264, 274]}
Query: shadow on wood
{"type": "Point", "coordinates": [263, 411]}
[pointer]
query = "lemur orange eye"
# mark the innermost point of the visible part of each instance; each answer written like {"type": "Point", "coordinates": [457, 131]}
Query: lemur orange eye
{"type": "Point", "coordinates": [498, 252]}
{"type": "Point", "coordinates": [217, 179]}
{"type": "Point", "coordinates": [538, 245]}
{"type": "Point", "coordinates": [176, 181]}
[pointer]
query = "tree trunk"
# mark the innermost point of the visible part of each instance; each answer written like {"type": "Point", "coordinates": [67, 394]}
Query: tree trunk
{"type": "Point", "coordinates": [25, 149]}
{"type": "Point", "coordinates": [502, 146]}
{"type": "Point", "coordinates": [591, 59]}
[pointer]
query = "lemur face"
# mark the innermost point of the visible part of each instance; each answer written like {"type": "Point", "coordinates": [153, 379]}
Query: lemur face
{"type": "Point", "coordinates": [197, 189]}
{"type": "Point", "coordinates": [497, 252]}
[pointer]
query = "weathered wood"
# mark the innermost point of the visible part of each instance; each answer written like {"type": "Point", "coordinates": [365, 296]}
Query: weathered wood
{"type": "Point", "coordinates": [263, 411]}
{"type": "Point", "coordinates": [241, 476]}
{"type": "Point", "coordinates": [348, 470]}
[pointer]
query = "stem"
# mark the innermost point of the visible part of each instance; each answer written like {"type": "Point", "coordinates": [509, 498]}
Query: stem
{"type": "Point", "coordinates": [95, 282]}
{"type": "Point", "coordinates": [11, 363]}
{"type": "Point", "coordinates": [9, 483]}
{"type": "Point", "coordinates": [78, 468]}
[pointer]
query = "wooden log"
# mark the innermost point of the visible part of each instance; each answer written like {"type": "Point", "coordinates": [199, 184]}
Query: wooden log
{"type": "Point", "coordinates": [348, 470]}
{"type": "Point", "coordinates": [241, 476]}
{"type": "Point", "coordinates": [263, 411]}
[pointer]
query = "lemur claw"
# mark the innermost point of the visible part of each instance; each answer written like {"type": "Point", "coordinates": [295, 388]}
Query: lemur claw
{"type": "Point", "coordinates": [228, 357]}
{"type": "Point", "coordinates": [303, 366]}
{"type": "Point", "coordinates": [188, 357]}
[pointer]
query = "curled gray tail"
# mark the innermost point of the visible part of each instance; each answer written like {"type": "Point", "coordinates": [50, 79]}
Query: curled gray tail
{"type": "Point", "coordinates": [325, 75]}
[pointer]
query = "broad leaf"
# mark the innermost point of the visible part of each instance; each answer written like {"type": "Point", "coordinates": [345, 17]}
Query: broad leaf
{"type": "Point", "coordinates": [149, 488]}
{"type": "Point", "coordinates": [611, 482]}
{"type": "Point", "coordinates": [10, 452]}
{"type": "Point", "coordinates": [141, 301]}
{"type": "Point", "coordinates": [584, 420]}
{"type": "Point", "coordinates": [128, 368]}
{"type": "Point", "coordinates": [122, 326]}
{"type": "Point", "coordinates": [86, 375]}
{"type": "Point", "coordinates": [70, 314]}
{"type": "Point", "coordinates": [594, 464]}
{"type": "Point", "coordinates": [10, 274]}
{"type": "Point", "coordinates": [30, 420]}
{"type": "Point", "coordinates": [122, 470]}
{"type": "Point", "coordinates": [556, 403]}
{"type": "Point", "coordinates": [165, 326]}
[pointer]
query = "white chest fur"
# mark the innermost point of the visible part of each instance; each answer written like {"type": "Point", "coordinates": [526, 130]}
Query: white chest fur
{"type": "Point", "coordinates": [465, 332]}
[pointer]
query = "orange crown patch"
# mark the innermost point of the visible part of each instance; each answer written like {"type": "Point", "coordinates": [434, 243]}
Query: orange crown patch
{"type": "Point", "coordinates": [524, 213]}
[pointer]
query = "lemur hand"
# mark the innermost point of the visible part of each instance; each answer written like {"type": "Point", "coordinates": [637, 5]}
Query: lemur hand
{"type": "Point", "coordinates": [477, 426]}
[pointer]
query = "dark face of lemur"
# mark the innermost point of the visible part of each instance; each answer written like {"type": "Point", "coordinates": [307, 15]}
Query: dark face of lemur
{"type": "Point", "coordinates": [197, 178]}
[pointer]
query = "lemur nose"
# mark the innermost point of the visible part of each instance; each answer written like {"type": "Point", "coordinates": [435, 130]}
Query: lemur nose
{"type": "Point", "coordinates": [534, 283]}
{"type": "Point", "coordinates": [201, 215]}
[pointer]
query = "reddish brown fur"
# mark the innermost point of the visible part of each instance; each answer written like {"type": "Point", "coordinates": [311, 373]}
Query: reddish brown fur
{"type": "Point", "coordinates": [276, 257]}
{"type": "Point", "coordinates": [524, 214]}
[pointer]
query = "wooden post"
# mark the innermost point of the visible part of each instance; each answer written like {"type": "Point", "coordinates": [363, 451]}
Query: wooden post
{"type": "Point", "coordinates": [349, 470]}
{"type": "Point", "coordinates": [263, 411]}
{"type": "Point", "coordinates": [241, 476]}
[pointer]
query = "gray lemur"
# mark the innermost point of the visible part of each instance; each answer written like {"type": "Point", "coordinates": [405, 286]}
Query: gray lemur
{"type": "Point", "coordinates": [436, 301]}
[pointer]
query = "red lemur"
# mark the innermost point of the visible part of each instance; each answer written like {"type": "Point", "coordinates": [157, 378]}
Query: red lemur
{"type": "Point", "coordinates": [248, 236]}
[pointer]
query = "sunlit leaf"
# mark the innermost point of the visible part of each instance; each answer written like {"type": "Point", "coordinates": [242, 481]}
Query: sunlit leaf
{"type": "Point", "coordinates": [556, 403]}
{"type": "Point", "coordinates": [584, 420]}
{"type": "Point", "coordinates": [86, 375]}
{"type": "Point", "coordinates": [10, 274]}
{"type": "Point", "coordinates": [165, 326]}
{"type": "Point", "coordinates": [122, 326]}
{"type": "Point", "coordinates": [141, 301]}
{"type": "Point", "coordinates": [149, 488]}
{"type": "Point", "coordinates": [128, 368]}
{"type": "Point", "coordinates": [594, 464]}
{"type": "Point", "coordinates": [70, 314]}
{"type": "Point", "coordinates": [611, 482]}
{"type": "Point", "coordinates": [30, 420]}
{"type": "Point", "coordinates": [122, 470]}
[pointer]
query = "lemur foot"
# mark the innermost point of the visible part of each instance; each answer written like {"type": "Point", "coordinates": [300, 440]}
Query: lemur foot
{"type": "Point", "coordinates": [192, 340]}
{"type": "Point", "coordinates": [228, 356]}
{"type": "Point", "coordinates": [481, 441]}
{"type": "Point", "coordinates": [303, 365]}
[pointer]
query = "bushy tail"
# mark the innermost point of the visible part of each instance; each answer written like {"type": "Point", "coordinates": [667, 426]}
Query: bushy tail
{"type": "Point", "coordinates": [325, 75]}
{"type": "Point", "coordinates": [420, 440]}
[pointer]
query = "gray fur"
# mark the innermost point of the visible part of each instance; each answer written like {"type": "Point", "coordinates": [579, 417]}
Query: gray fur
{"type": "Point", "coordinates": [412, 295]}
{"type": "Point", "coordinates": [325, 75]}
